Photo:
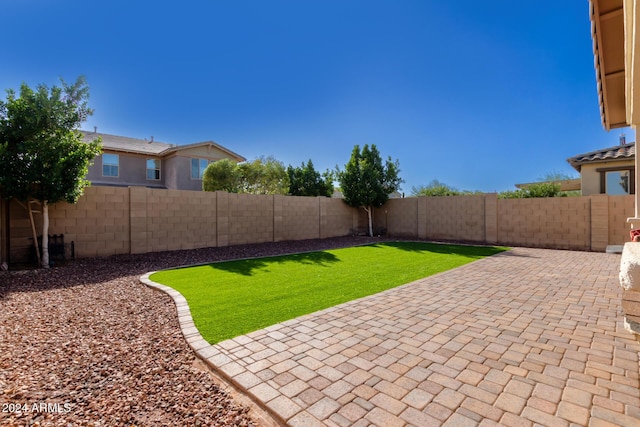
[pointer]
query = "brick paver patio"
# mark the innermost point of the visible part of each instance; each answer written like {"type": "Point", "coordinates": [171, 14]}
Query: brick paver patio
{"type": "Point", "coordinates": [527, 337]}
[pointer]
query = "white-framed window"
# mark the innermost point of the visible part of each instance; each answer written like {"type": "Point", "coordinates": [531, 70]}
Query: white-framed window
{"type": "Point", "coordinates": [153, 169]}
{"type": "Point", "coordinates": [110, 165]}
{"type": "Point", "coordinates": [197, 168]}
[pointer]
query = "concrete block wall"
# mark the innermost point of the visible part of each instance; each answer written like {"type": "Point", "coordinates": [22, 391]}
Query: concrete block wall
{"type": "Point", "coordinates": [251, 219]}
{"type": "Point", "coordinates": [172, 220]}
{"type": "Point", "coordinates": [580, 223]}
{"type": "Point", "coordinates": [336, 218]}
{"type": "Point", "coordinates": [456, 218]}
{"type": "Point", "coordinates": [141, 220]}
{"type": "Point", "coordinates": [599, 227]}
{"type": "Point", "coordinates": [296, 218]}
{"type": "Point", "coordinates": [20, 235]}
{"type": "Point", "coordinates": [115, 220]}
{"type": "Point", "coordinates": [491, 218]}
{"type": "Point", "coordinates": [399, 217]}
{"type": "Point", "coordinates": [4, 255]}
{"type": "Point", "coordinates": [562, 223]}
{"type": "Point", "coordinates": [98, 224]}
{"type": "Point", "coordinates": [620, 208]}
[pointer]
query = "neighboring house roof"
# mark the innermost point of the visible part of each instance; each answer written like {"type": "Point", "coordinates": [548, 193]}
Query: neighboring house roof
{"type": "Point", "coordinates": [619, 152]}
{"type": "Point", "coordinates": [130, 145]}
{"type": "Point", "coordinates": [176, 148]}
{"type": "Point", "coordinates": [565, 184]}
{"type": "Point", "coordinates": [143, 146]}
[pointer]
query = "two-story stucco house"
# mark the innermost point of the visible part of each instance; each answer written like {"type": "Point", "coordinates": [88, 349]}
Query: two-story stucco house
{"type": "Point", "coordinates": [138, 162]}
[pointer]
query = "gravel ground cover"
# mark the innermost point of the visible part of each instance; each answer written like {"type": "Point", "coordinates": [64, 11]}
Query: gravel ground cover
{"type": "Point", "coordinates": [87, 344]}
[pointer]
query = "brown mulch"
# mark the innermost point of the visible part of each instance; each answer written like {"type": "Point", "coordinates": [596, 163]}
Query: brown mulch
{"type": "Point", "coordinates": [87, 344]}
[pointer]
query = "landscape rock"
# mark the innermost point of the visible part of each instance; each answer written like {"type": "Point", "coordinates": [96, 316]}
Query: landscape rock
{"type": "Point", "coordinates": [86, 344]}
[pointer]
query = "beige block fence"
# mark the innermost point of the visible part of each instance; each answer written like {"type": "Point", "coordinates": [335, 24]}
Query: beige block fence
{"type": "Point", "coordinates": [116, 220]}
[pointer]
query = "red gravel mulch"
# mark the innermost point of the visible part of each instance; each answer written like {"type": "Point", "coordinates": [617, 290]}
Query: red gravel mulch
{"type": "Point", "coordinates": [87, 344]}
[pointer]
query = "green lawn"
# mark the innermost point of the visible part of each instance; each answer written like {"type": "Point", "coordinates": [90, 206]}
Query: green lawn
{"type": "Point", "coordinates": [233, 298]}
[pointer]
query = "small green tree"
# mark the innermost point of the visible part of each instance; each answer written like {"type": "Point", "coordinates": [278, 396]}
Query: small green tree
{"type": "Point", "coordinates": [540, 189]}
{"type": "Point", "coordinates": [42, 154]}
{"type": "Point", "coordinates": [366, 182]}
{"type": "Point", "coordinates": [222, 175]}
{"type": "Point", "coordinates": [556, 176]}
{"type": "Point", "coordinates": [306, 181]}
{"type": "Point", "coordinates": [435, 189]}
{"type": "Point", "coordinates": [263, 176]}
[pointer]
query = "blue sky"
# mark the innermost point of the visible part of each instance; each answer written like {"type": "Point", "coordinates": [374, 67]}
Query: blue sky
{"type": "Point", "coordinates": [479, 95]}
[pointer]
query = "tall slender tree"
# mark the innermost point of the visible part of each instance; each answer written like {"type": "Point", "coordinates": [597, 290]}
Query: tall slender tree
{"type": "Point", "coordinates": [305, 180]}
{"type": "Point", "coordinates": [366, 182]}
{"type": "Point", "coordinates": [42, 154]}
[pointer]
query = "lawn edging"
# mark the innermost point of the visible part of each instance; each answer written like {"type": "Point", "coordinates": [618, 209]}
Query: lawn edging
{"type": "Point", "coordinates": [212, 356]}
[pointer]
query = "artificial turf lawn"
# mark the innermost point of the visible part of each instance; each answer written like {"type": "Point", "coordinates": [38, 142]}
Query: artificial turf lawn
{"type": "Point", "coordinates": [232, 298]}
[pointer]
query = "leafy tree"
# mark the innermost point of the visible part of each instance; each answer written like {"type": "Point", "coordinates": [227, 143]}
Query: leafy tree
{"type": "Point", "coordinates": [222, 175]}
{"type": "Point", "coordinates": [263, 176]}
{"type": "Point", "coordinates": [439, 189]}
{"type": "Point", "coordinates": [556, 176]}
{"type": "Point", "coordinates": [366, 182]}
{"type": "Point", "coordinates": [306, 181]}
{"type": "Point", "coordinates": [435, 188]}
{"type": "Point", "coordinates": [42, 154]}
{"type": "Point", "coordinates": [541, 189]}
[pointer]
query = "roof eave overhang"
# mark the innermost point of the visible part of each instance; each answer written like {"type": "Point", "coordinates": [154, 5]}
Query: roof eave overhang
{"type": "Point", "coordinates": [235, 156]}
{"type": "Point", "coordinates": [608, 24]}
{"type": "Point", "coordinates": [565, 184]}
{"type": "Point", "coordinates": [632, 60]}
{"type": "Point", "coordinates": [129, 151]}
{"type": "Point", "coordinates": [577, 165]}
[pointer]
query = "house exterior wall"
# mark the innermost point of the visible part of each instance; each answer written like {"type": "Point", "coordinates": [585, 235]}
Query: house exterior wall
{"type": "Point", "coordinates": [132, 171]}
{"type": "Point", "coordinates": [204, 152]}
{"type": "Point", "coordinates": [119, 220]}
{"type": "Point", "coordinates": [590, 177]}
{"type": "Point", "coordinates": [171, 174]}
{"type": "Point", "coordinates": [175, 169]}
{"type": "Point", "coordinates": [180, 174]}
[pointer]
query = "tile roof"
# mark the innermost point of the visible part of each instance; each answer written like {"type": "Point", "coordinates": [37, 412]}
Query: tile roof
{"type": "Point", "coordinates": [131, 145]}
{"type": "Point", "coordinates": [143, 146]}
{"type": "Point", "coordinates": [627, 151]}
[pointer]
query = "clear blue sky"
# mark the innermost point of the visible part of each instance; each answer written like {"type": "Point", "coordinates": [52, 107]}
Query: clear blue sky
{"type": "Point", "coordinates": [479, 95]}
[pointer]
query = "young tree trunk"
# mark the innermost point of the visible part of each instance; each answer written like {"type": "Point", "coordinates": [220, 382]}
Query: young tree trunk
{"type": "Point", "coordinates": [369, 210]}
{"type": "Point", "coordinates": [33, 229]}
{"type": "Point", "coordinates": [45, 234]}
